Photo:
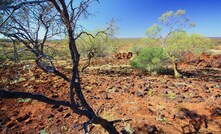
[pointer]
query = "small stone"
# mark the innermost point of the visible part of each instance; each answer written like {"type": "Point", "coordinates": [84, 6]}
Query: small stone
{"type": "Point", "coordinates": [10, 124]}
{"type": "Point", "coordinates": [23, 118]}
{"type": "Point", "coordinates": [180, 98]}
{"type": "Point", "coordinates": [105, 95]}
{"type": "Point", "coordinates": [55, 106]}
{"type": "Point", "coordinates": [67, 115]}
{"type": "Point", "coordinates": [151, 129]}
{"type": "Point", "coordinates": [138, 94]}
{"type": "Point", "coordinates": [60, 109]}
{"type": "Point", "coordinates": [54, 96]}
{"type": "Point", "coordinates": [197, 99]}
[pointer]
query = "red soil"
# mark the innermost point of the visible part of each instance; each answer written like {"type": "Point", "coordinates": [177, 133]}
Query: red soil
{"type": "Point", "coordinates": [144, 103]}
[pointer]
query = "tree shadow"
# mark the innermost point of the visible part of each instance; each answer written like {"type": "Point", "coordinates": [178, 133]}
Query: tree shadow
{"type": "Point", "coordinates": [216, 112]}
{"type": "Point", "coordinates": [195, 121]}
{"type": "Point", "coordinates": [204, 74]}
{"type": "Point", "coordinates": [146, 129]}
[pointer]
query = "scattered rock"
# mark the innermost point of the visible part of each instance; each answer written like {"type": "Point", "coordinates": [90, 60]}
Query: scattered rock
{"type": "Point", "coordinates": [60, 109]}
{"type": "Point", "coordinates": [28, 121]}
{"type": "Point", "coordinates": [22, 118]}
{"type": "Point", "coordinates": [10, 124]}
{"type": "Point", "coordinates": [55, 106]}
{"type": "Point", "coordinates": [126, 90]}
{"type": "Point", "coordinates": [146, 129]}
{"type": "Point", "coordinates": [151, 129]}
{"type": "Point", "coordinates": [95, 97]}
{"type": "Point", "coordinates": [54, 96]}
{"type": "Point", "coordinates": [179, 98]}
{"type": "Point", "coordinates": [196, 99]}
{"type": "Point", "coordinates": [138, 94]}
{"type": "Point", "coordinates": [129, 100]}
{"type": "Point", "coordinates": [67, 115]}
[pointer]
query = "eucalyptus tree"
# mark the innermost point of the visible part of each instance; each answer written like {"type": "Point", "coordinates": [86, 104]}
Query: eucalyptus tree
{"type": "Point", "coordinates": [24, 20]}
{"type": "Point", "coordinates": [169, 24]}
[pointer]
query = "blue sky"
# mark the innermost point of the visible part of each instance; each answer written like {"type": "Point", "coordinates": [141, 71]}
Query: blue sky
{"type": "Point", "coordinates": [134, 17]}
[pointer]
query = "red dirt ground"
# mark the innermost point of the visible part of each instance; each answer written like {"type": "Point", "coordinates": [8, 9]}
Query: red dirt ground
{"type": "Point", "coordinates": [145, 103]}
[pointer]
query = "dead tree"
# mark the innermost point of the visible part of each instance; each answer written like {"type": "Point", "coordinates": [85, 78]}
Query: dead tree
{"type": "Point", "coordinates": [23, 21]}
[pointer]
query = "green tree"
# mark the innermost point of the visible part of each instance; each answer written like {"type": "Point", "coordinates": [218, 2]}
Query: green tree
{"type": "Point", "coordinates": [181, 43]}
{"type": "Point", "coordinates": [171, 36]}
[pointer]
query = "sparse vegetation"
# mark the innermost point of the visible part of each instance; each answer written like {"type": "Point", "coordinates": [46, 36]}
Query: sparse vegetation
{"type": "Point", "coordinates": [24, 100]}
{"type": "Point", "coordinates": [121, 91]}
{"type": "Point", "coordinates": [43, 132]}
{"type": "Point", "coordinates": [128, 129]}
{"type": "Point", "coordinates": [162, 118]}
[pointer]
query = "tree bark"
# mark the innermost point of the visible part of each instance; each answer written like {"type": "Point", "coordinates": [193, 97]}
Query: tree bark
{"type": "Point", "coordinates": [175, 70]}
{"type": "Point", "coordinates": [88, 62]}
{"type": "Point", "coordinates": [15, 52]}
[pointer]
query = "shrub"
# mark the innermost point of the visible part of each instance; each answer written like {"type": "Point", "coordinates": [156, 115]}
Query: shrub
{"type": "Point", "coordinates": [150, 59]}
{"type": "Point", "coordinates": [137, 48]}
{"type": "Point", "coordinates": [96, 46]}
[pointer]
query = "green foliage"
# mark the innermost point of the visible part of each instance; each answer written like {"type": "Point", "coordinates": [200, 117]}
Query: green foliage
{"type": "Point", "coordinates": [152, 34]}
{"type": "Point", "coordinates": [153, 31]}
{"type": "Point", "coordinates": [24, 100]}
{"type": "Point", "coordinates": [62, 49]}
{"type": "Point", "coordinates": [176, 20]}
{"type": "Point", "coordinates": [150, 59]}
{"type": "Point", "coordinates": [170, 22]}
{"type": "Point", "coordinates": [7, 51]}
{"type": "Point", "coordinates": [200, 43]}
{"type": "Point", "coordinates": [136, 49]}
{"type": "Point", "coordinates": [43, 132]}
{"type": "Point", "coordinates": [129, 129]}
{"type": "Point", "coordinates": [180, 42]}
{"type": "Point", "coordinates": [95, 47]}
{"type": "Point", "coordinates": [170, 34]}
{"type": "Point", "coordinates": [162, 118]}
{"type": "Point", "coordinates": [171, 95]}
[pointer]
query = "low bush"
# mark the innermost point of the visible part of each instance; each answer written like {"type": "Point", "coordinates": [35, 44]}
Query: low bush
{"type": "Point", "coordinates": [151, 59]}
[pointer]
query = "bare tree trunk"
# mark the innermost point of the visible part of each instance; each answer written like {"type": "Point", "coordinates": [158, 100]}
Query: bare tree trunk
{"type": "Point", "coordinates": [15, 57]}
{"type": "Point", "coordinates": [75, 84]}
{"type": "Point", "coordinates": [88, 62]}
{"type": "Point", "coordinates": [69, 16]}
{"type": "Point", "coordinates": [175, 70]}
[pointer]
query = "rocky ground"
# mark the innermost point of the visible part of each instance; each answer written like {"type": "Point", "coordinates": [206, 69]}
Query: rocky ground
{"type": "Point", "coordinates": [144, 103]}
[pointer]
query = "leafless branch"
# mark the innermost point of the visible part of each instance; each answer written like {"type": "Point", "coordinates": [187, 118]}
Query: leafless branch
{"type": "Point", "coordinates": [91, 35]}
{"type": "Point", "coordinates": [7, 18]}
{"type": "Point", "coordinates": [26, 35]}
{"type": "Point", "coordinates": [4, 7]}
